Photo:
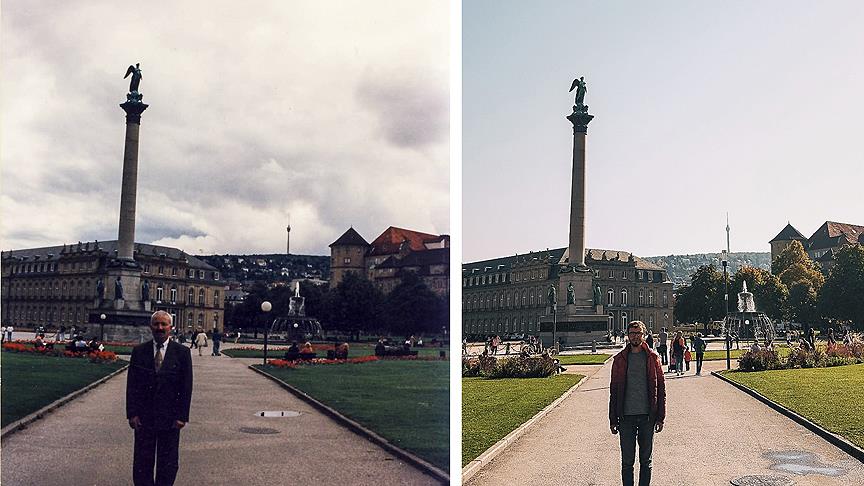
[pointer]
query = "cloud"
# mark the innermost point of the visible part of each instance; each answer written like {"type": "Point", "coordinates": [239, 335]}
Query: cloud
{"type": "Point", "coordinates": [258, 115]}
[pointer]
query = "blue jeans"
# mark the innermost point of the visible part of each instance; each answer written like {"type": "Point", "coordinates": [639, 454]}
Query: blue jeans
{"type": "Point", "coordinates": [216, 347]}
{"type": "Point", "coordinates": [633, 429]}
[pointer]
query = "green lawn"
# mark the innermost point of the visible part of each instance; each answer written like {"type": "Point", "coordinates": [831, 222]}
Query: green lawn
{"type": "Point", "coordinates": [30, 382]}
{"type": "Point", "coordinates": [491, 409]}
{"type": "Point", "coordinates": [119, 349]}
{"type": "Point", "coordinates": [830, 397]}
{"type": "Point", "coordinates": [580, 359]}
{"type": "Point", "coordinates": [715, 355]}
{"type": "Point", "coordinates": [354, 351]}
{"type": "Point", "coordinates": [407, 402]}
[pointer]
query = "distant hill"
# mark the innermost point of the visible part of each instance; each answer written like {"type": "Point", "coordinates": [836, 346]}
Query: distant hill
{"type": "Point", "coordinates": [248, 269]}
{"type": "Point", "coordinates": [681, 267]}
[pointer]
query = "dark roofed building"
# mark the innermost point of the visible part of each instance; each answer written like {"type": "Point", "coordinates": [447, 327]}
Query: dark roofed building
{"type": "Point", "coordinates": [508, 295]}
{"type": "Point", "coordinates": [823, 243]}
{"type": "Point", "coordinates": [59, 285]}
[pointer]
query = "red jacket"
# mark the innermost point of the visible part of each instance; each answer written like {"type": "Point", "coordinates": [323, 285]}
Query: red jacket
{"type": "Point", "coordinates": [618, 385]}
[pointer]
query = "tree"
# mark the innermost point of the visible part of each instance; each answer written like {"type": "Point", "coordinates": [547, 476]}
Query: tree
{"type": "Point", "coordinates": [354, 304]}
{"type": "Point", "coordinates": [796, 270]}
{"type": "Point", "coordinates": [841, 296]}
{"type": "Point", "coordinates": [412, 308]}
{"type": "Point", "coordinates": [801, 306]}
{"type": "Point", "coordinates": [768, 291]}
{"type": "Point", "coordinates": [702, 300]}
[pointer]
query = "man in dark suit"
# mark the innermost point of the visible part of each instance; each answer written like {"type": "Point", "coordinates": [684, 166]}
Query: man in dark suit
{"type": "Point", "coordinates": [158, 395]}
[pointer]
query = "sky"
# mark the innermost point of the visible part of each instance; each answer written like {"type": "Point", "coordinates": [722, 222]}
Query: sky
{"type": "Point", "coordinates": [321, 115]}
{"type": "Point", "coordinates": [701, 109]}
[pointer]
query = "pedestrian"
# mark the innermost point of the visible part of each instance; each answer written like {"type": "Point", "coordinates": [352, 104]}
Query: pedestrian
{"type": "Point", "coordinates": [650, 340]}
{"type": "Point", "coordinates": [158, 397]}
{"type": "Point", "coordinates": [699, 346]}
{"type": "Point", "coordinates": [200, 341]}
{"type": "Point", "coordinates": [217, 341]}
{"type": "Point", "coordinates": [637, 403]}
{"type": "Point", "coordinates": [2, 334]}
{"type": "Point", "coordinates": [661, 347]}
{"type": "Point", "coordinates": [831, 340]}
{"type": "Point", "coordinates": [678, 351]}
{"type": "Point", "coordinates": [61, 334]}
{"type": "Point", "coordinates": [9, 330]}
{"type": "Point", "coordinates": [687, 358]}
{"type": "Point", "coordinates": [237, 337]}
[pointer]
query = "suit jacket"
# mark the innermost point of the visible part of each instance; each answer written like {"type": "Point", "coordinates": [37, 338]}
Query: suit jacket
{"type": "Point", "coordinates": [159, 398]}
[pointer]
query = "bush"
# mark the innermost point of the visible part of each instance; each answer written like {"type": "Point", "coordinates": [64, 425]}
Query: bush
{"type": "Point", "coordinates": [515, 367]}
{"type": "Point", "coordinates": [764, 359]}
{"type": "Point", "coordinates": [802, 358]}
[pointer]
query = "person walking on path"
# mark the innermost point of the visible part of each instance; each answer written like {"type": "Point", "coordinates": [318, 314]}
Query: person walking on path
{"type": "Point", "coordinates": [678, 352]}
{"type": "Point", "coordinates": [217, 341]}
{"type": "Point", "coordinates": [158, 397]}
{"type": "Point", "coordinates": [200, 342]}
{"type": "Point", "coordinates": [699, 346]}
{"type": "Point", "coordinates": [637, 403]}
{"type": "Point", "coordinates": [661, 346]}
{"type": "Point", "coordinates": [650, 340]}
{"type": "Point", "coordinates": [9, 330]}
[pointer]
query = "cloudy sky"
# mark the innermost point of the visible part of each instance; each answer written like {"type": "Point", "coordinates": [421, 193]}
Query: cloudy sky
{"type": "Point", "coordinates": [701, 108]}
{"type": "Point", "coordinates": [327, 114]}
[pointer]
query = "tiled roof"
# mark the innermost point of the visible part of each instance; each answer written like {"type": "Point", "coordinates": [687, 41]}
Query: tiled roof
{"type": "Point", "coordinates": [350, 238]}
{"type": "Point", "coordinates": [391, 239]}
{"type": "Point", "coordinates": [832, 234]}
{"type": "Point", "coordinates": [435, 256]}
{"type": "Point", "coordinates": [109, 247]}
{"type": "Point", "coordinates": [788, 233]}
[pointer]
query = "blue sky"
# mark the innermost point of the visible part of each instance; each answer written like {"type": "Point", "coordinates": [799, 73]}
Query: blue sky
{"type": "Point", "coordinates": [750, 108]}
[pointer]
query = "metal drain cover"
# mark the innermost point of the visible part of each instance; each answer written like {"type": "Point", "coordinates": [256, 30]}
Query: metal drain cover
{"type": "Point", "coordinates": [278, 413]}
{"type": "Point", "coordinates": [258, 430]}
{"type": "Point", "coordinates": [762, 481]}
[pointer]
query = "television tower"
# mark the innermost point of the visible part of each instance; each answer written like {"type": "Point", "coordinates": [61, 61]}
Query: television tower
{"type": "Point", "coordinates": [288, 242]}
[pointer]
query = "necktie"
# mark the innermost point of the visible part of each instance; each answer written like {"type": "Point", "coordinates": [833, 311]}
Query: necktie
{"type": "Point", "coordinates": [158, 358]}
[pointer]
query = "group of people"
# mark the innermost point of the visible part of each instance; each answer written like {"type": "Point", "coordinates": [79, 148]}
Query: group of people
{"type": "Point", "coordinates": [199, 340]}
{"type": "Point", "coordinates": [675, 352]}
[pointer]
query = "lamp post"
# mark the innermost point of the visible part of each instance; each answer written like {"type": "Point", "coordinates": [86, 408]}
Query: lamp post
{"type": "Point", "coordinates": [102, 327]}
{"type": "Point", "coordinates": [265, 308]}
{"type": "Point", "coordinates": [725, 260]}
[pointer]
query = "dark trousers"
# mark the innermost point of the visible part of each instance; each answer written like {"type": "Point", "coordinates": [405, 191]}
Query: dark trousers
{"type": "Point", "coordinates": [216, 347]}
{"type": "Point", "coordinates": [661, 349]}
{"type": "Point", "coordinates": [159, 448]}
{"type": "Point", "coordinates": [633, 429]}
{"type": "Point", "coordinates": [699, 357]}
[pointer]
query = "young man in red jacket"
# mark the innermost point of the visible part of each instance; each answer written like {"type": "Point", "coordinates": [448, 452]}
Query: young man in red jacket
{"type": "Point", "coordinates": [637, 403]}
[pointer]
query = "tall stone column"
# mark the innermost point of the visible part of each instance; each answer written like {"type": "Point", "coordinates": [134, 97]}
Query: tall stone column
{"type": "Point", "coordinates": [129, 190]}
{"type": "Point", "coordinates": [580, 120]}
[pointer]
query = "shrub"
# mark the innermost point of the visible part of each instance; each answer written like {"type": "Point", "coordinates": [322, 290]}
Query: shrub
{"type": "Point", "coordinates": [524, 367]}
{"type": "Point", "coordinates": [802, 358]}
{"type": "Point", "coordinates": [764, 359]}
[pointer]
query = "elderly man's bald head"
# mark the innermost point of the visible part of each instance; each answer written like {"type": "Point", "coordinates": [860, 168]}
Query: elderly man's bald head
{"type": "Point", "coordinates": [162, 313]}
{"type": "Point", "coordinates": [160, 325]}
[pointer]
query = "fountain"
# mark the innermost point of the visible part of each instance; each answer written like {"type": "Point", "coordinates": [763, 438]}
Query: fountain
{"type": "Point", "coordinates": [296, 326]}
{"type": "Point", "coordinates": [749, 323]}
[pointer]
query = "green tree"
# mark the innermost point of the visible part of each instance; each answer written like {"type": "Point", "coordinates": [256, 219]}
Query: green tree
{"type": "Point", "coordinates": [412, 308]}
{"type": "Point", "coordinates": [796, 270]}
{"type": "Point", "coordinates": [354, 304]}
{"type": "Point", "coordinates": [841, 296]}
{"type": "Point", "coordinates": [702, 300]}
{"type": "Point", "coordinates": [802, 302]}
{"type": "Point", "coordinates": [768, 291]}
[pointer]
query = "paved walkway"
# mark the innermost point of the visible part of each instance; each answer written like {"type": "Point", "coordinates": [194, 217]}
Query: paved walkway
{"type": "Point", "coordinates": [88, 442]}
{"type": "Point", "coordinates": [714, 433]}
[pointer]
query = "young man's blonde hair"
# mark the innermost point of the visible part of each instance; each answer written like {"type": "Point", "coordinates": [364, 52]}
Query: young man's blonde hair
{"type": "Point", "coordinates": [640, 325]}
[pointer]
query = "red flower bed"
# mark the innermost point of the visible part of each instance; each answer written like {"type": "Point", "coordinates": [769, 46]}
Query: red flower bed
{"type": "Point", "coordinates": [281, 363]}
{"type": "Point", "coordinates": [96, 357]}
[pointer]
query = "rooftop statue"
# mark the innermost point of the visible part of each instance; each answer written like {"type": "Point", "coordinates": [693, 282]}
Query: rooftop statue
{"type": "Point", "coordinates": [581, 88]}
{"type": "Point", "coordinates": [135, 71]}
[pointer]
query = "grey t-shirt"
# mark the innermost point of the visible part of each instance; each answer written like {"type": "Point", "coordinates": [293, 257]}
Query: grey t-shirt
{"type": "Point", "coordinates": [636, 392]}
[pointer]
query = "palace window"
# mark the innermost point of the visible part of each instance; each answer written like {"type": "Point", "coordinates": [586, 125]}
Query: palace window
{"type": "Point", "coordinates": [173, 271]}
{"type": "Point", "coordinates": [200, 320]}
{"type": "Point", "coordinates": [173, 294]}
{"type": "Point", "coordinates": [201, 297]}
{"type": "Point", "coordinates": [161, 269]}
{"type": "Point", "coordinates": [216, 300]}
{"type": "Point", "coordinates": [190, 297]}
{"type": "Point", "coordinates": [201, 274]}
{"type": "Point", "coordinates": [159, 293]}
{"type": "Point", "coordinates": [611, 273]}
{"type": "Point", "coordinates": [641, 297]}
{"type": "Point", "coordinates": [651, 298]}
{"type": "Point", "coordinates": [623, 296]}
{"type": "Point", "coordinates": [610, 297]}
{"type": "Point", "coordinates": [665, 299]}
{"type": "Point", "coordinates": [624, 274]}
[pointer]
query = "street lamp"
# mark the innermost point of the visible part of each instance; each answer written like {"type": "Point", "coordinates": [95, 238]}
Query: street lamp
{"type": "Point", "coordinates": [265, 308]}
{"type": "Point", "coordinates": [725, 260]}
{"type": "Point", "coordinates": [102, 327]}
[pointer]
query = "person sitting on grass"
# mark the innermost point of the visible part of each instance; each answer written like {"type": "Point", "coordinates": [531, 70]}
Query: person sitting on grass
{"type": "Point", "coordinates": [95, 345]}
{"type": "Point", "coordinates": [307, 351]}
{"type": "Point", "coordinates": [80, 344]}
{"type": "Point", "coordinates": [293, 352]}
{"type": "Point", "coordinates": [39, 343]}
{"type": "Point", "coordinates": [342, 351]}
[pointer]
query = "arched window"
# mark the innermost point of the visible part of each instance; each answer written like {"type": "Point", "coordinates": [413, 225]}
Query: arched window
{"type": "Point", "coordinates": [201, 320]}
{"type": "Point", "coordinates": [641, 297]}
{"type": "Point", "coordinates": [201, 297]}
{"type": "Point", "coordinates": [189, 318]}
{"type": "Point", "coordinates": [665, 299]}
{"type": "Point", "coordinates": [651, 298]}
{"type": "Point", "coordinates": [190, 296]}
{"type": "Point", "coordinates": [524, 297]}
{"type": "Point", "coordinates": [217, 302]}
{"type": "Point", "coordinates": [623, 296]}
{"type": "Point", "coordinates": [160, 293]}
{"type": "Point", "coordinates": [531, 298]}
{"type": "Point", "coordinates": [651, 322]}
{"type": "Point", "coordinates": [173, 294]}
{"type": "Point", "coordinates": [624, 321]}
{"type": "Point", "coordinates": [610, 296]}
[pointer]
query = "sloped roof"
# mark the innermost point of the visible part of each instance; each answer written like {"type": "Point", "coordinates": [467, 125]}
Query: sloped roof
{"type": "Point", "coordinates": [832, 234]}
{"type": "Point", "coordinates": [391, 239]}
{"type": "Point", "coordinates": [435, 256]}
{"type": "Point", "coordinates": [560, 255]}
{"type": "Point", "coordinates": [109, 247]}
{"type": "Point", "coordinates": [788, 233]}
{"type": "Point", "coordinates": [350, 238]}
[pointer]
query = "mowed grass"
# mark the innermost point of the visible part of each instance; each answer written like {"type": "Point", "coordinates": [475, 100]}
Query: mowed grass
{"type": "Point", "coordinates": [406, 402]}
{"type": "Point", "coordinates": [830, 397]}
{"type": "Point", "coordinates": [354, 351]}
{"type": "Point", "coordinates": [583, 359]}
{"type": "Point", "coordinates": [30, 382]}
{"type": "Point", "coordinates": [491, 409]}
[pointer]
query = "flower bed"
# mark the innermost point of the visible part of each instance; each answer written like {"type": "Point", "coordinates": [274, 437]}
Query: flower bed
{"type": "Point", "coordinates": [282, 363]}
{"type": "Point", "coordinates": [514, 367]}
{"type": "Point", "coordinates": [835, 355]}
{"type": "Point", "coordinates": [94, 356]}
